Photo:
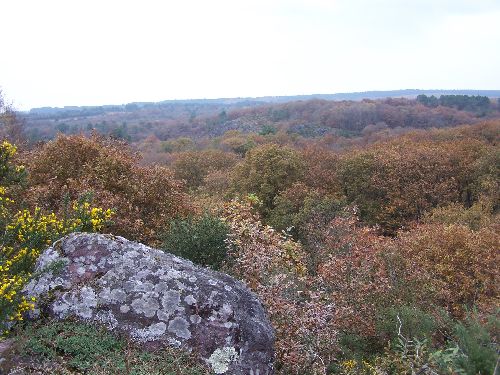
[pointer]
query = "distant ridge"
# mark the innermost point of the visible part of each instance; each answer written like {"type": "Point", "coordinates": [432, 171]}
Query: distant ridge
{"type": "Point", "coordinates": [253, 101]}
{"type": "Point", "coordinates": [407, 93]}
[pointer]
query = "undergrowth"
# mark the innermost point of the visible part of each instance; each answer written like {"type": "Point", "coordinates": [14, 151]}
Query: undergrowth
{"type": "Point", "coordinates": [78, 348]}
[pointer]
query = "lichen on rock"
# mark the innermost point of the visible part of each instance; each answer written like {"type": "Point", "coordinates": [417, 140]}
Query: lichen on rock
{"type": "Point", "coordinates": [221, 358]}
{"type": "Point", "coordinates": [156, 299]}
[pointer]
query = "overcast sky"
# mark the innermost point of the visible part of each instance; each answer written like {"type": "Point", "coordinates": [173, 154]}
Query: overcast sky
{"type": "Point", "coordinates": [92, 52]}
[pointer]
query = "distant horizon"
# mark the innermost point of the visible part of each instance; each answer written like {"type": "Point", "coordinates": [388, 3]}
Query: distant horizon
{"type": "Point", "coordinates": [88, 53]}
{"type": "Point", "coordinates": [263, 97]}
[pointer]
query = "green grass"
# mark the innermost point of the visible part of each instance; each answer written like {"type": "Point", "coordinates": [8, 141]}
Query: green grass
{"type": "Point", "coordinates": [77, 348]}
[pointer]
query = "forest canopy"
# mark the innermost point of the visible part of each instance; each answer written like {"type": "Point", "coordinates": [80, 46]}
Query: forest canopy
{"type": "Point", "coordinates": [374, 224]}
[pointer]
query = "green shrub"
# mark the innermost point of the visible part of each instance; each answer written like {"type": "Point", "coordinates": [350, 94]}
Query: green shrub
{"type": "Point", "coordinates": [298, 205]}
{"type": "Point", "coordinates": [469, 349]}
{"type": "Point", "coordinates": [82, 345]}
{"type": "Point", "coordinates": [267, 170]}
{"type": "Point", "coordinates": [357, 346]}
{"type": "Point", "coordinates": [478, 345]}
{"type": "Point", "coordinates": [268, 130]}
{"type": "Point", "coordinates": [409, 321]}
{"type": "Point", "coordinates": [199, 239]}
{"type": "Point", "coordinates": [476, 217]}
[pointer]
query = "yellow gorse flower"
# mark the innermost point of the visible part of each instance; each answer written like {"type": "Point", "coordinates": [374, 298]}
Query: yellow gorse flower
{"type": "Point", "coordinates": [8, 149]}
{"type": "Point", "coordinates": [26, 233]}
{"type": "Point", "coordinates": [349, 365]}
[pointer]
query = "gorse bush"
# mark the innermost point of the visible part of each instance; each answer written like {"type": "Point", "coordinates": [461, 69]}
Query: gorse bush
{"type": "Point", "coordinates": [24, 237]}
{"type": "Point", "coordinates": [200, 239]}
{"type": "Point", "coordinates": [25, 233]}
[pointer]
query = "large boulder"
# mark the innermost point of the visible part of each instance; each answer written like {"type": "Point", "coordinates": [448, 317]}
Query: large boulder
{"type": "Point", "coordinates": [156, 299]}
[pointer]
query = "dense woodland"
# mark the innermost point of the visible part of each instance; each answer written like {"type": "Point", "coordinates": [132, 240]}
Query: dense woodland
{"type": "Point", "coordinates": [207, 119]}
{"type": "Point", "coordinates": [373, 223]}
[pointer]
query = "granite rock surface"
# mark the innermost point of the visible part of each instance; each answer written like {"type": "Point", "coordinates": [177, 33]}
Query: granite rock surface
{"type": "Point", "coordinates": [156, 299]}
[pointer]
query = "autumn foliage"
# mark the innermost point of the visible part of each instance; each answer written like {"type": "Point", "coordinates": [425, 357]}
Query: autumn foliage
{"type": "Point", "coordinates": [394, 183]}
{"type": "Point", "coordinates": [455, 263]}
{"type": "Point", "coordinates": [266, 170]}
{"type": "Point", "coordinates": [372, 243]}
{"type": "Point", "coordinates": [146, 197]}
{"type": "Point", "coordinates": [273, 265]}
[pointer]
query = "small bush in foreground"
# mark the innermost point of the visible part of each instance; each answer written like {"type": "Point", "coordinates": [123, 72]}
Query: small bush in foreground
{"type": "Point", "coordinates": [478, 345]}
{"type": "Point", "coordinates": [470, 349]}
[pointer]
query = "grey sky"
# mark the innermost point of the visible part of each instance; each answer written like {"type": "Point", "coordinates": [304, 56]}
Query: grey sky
{"type": "Point", "coordinates": [91, 52]}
